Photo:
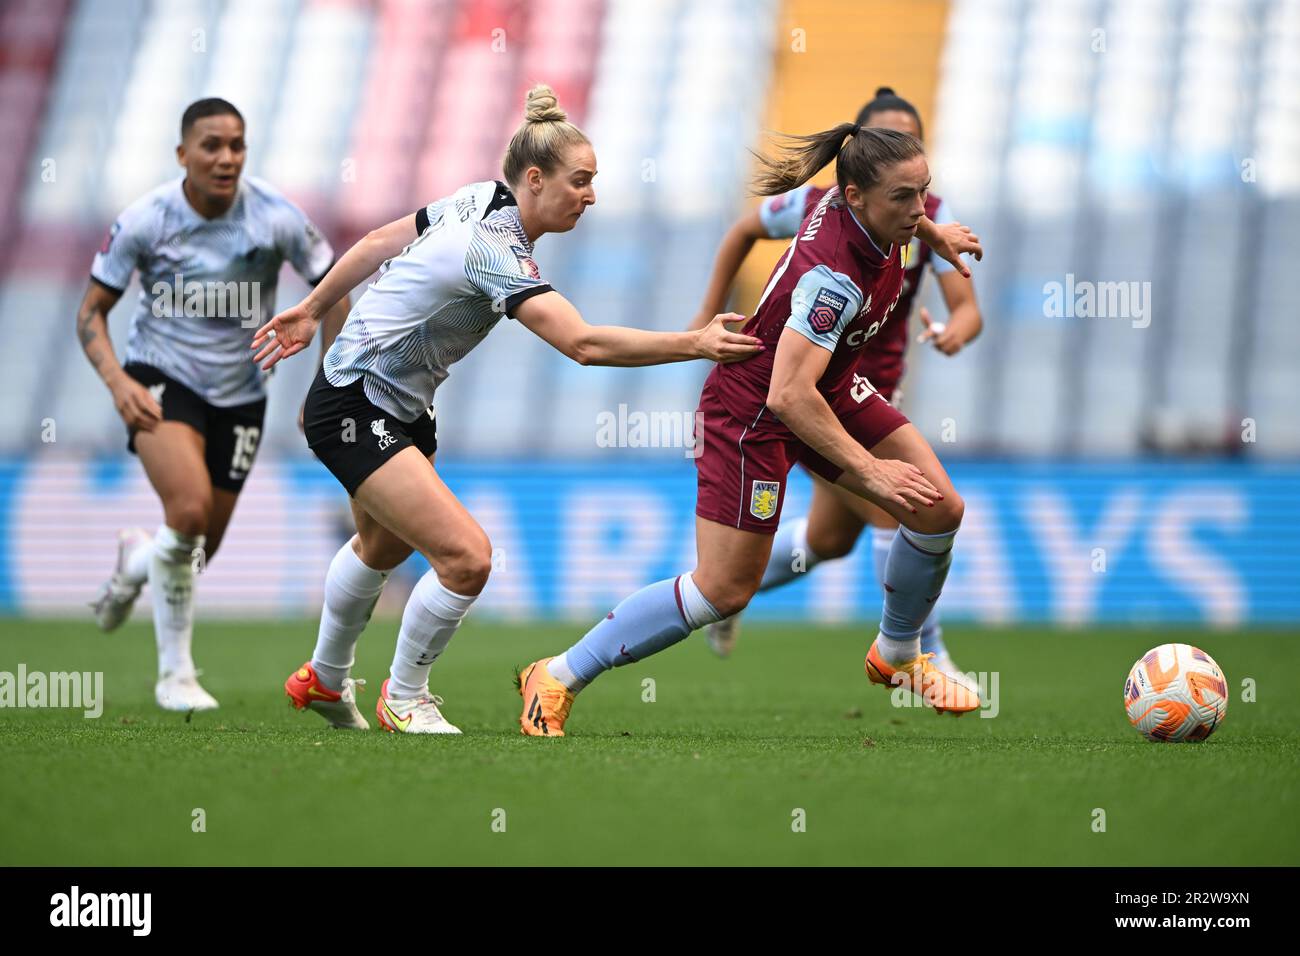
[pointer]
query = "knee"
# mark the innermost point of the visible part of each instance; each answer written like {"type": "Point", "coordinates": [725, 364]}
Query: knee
{"type": "Point", "coordinates": [950, 511]}
{"type": "Point", "coordinates": [467, 570]}
{"type": "Point", "coordinates": [380, 552]}
{"type": "Point", "coordinates": [728, 597]}
{"type": "Point", "coordinates": [944, 517]}
{"type": "Point", "coordinates": [831, 543]}
{"type": "Point", "coordinates": [189, 515]}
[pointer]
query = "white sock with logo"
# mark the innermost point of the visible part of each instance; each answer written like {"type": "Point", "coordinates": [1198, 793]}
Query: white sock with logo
{"type": "Point", "coordinates": [431, 617]}
{"type": "Point", "coordinates": [171, 583]}
{"type": "Point", "coordinates": [352, 589]}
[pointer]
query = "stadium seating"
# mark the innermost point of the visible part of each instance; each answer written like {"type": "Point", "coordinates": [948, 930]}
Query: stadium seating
{"type": "Point", "coordinates": [1113, 142]}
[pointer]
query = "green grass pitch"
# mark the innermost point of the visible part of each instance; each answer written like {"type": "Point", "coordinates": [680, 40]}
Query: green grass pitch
{"type": "Point", "coordinates": [714, 770]}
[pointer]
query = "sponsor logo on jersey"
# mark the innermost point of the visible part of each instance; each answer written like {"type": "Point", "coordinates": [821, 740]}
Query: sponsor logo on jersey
{"type": "Point", "coordinates": [861, 389]}
{"type": "Point", "coordinates": [385, 439]}
{"type": "Point", "coordinates": [763, 498]}
{"type": "Point", "coordinates": [826, 310]}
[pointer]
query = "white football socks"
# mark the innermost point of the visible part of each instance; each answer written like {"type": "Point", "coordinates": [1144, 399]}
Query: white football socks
{"type": "Point", "coordinates": [352, 589]}
{"type": "Point", "coordinates": [171, 583]}
{"type": "Point", "coordinates": [431, 617]}
{"type": "Point", "coordinates": [136, 566]}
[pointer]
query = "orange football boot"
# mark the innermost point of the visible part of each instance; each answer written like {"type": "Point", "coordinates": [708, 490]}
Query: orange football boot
{"type": "Point", "coordinates": [339, 707]}
{"type": "Point", "coordinates": [546, 702]}
{"type": "Point", "coordinates": [926, 681]}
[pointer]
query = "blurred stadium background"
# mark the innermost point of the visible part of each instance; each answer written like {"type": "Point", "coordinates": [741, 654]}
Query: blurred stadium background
{"type": "Point", "coordinates": [1116, 469]}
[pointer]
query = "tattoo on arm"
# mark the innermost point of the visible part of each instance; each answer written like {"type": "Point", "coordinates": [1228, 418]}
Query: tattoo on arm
{"type": "Point", "coordinates": [86, 330]}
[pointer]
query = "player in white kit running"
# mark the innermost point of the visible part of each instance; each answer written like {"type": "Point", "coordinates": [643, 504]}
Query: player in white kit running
{"type": "Point", "coordinates": [451, 271]}
{"type": "Point", "coordinates": [208, 247]}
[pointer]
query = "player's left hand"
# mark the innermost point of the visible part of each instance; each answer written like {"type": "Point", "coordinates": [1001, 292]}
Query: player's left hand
{"type": "Point", "coordinates": [287, 334]}
{"type": "Point", "coordinates": [951, 240]}
{"type": "Point", "coordinates": [717, 344]}
{"type": "Point", "coordinates": [944, 338]}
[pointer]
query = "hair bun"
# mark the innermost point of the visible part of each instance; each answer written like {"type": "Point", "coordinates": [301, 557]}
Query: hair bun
{"type": "Point", "coordinates": [541, 106]}
{"type": "Point", "coordinates": [885, 91]}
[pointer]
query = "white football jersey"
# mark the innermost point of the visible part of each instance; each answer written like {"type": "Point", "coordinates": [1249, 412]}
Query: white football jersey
{"type": "Point", "coordinates": [471, 264]}
{"type": "Point", "coordinates": [207, 284]}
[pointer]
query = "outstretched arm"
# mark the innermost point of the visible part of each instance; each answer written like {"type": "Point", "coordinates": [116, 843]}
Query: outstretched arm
{"type": "Point", "coordinates": [553, 318]}
{"type": "Point", "coordinates": [293, 329]}
{"type": "Point", "coordinates": [740, 238]}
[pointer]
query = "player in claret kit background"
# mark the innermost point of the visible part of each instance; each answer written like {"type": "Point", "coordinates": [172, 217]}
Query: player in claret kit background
{"type": "Point", "coordinates": [208, 246]}
{"type": "Point", "coordinates": [796, 402]}
{"type": "Point", "coordinates": [837, 517]}
{"type": "Point", "coordinates": [451, 271]}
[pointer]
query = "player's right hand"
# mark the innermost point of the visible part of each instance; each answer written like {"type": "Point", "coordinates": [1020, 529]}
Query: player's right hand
{"type": "Point", "coordinates": [287, 334]}
{"type": "Point", "coordinates": [139, 409]}
{"type": "Point", "coordinates": [900, 483]}
{"type": "Point", "coordinates": [718, 344]}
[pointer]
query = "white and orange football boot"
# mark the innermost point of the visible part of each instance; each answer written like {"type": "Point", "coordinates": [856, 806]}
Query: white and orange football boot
{"type": "Point", "coordinates": [546, 701]}
{"type": "Point", "coordinates": [922, 678]}
{"type": "Point", "coordinates": [418, 715]}
{"type": "Point", "coordinates": [339, 707]}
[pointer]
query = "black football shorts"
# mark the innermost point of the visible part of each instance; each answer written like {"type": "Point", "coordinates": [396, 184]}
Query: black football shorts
{"type": "Point", "coordinates": [353, 437]}
{"type": "Point", "coordinates": [231, 435]}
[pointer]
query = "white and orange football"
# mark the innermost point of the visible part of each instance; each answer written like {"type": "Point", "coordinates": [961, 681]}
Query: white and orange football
{"type": "Point", "coordinates": [1176, 692]}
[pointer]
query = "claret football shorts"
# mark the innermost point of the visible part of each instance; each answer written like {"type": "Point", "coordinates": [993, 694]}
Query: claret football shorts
{"type": "Point", "coordinates": [742, 467]}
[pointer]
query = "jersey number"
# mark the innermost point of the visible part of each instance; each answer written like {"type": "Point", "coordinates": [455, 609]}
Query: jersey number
{"type": "Point", "coordinates": [246, 437]}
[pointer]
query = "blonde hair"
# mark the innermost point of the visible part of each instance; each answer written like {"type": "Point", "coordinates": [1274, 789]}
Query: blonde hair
{"type": "Point", "coordinates": [542, 138]}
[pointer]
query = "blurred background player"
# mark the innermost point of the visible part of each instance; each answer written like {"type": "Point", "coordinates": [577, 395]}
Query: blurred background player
{"type": "Point", "coordinates": [457, 266]}
{"type": "Point", "coordinates": [208, 246]}
{"type": "Point", "coordinates": [837, 517]}
{"type": "Point", "coordinates": [798, 402]}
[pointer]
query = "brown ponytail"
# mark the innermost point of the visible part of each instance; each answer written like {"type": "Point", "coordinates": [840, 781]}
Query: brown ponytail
{"type": "Point", "coordinates": [861, 159]}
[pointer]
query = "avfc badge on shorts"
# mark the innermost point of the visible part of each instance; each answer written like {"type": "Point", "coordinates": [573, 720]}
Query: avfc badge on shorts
{"type": "Point", "coordinates": [826, 310]}
{"type": "Point", "coordinates": [763, 499]}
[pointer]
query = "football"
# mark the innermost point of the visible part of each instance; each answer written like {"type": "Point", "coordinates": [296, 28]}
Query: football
{"type": "Point", "coordinates": [1176, 692]}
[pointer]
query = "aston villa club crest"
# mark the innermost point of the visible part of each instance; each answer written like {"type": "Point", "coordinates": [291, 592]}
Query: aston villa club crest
{"type": "Point", "coordinates": [763, 499]}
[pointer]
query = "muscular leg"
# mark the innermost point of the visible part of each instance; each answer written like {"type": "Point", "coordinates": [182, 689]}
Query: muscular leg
{"type": "Point", "coordinates": [836, 520]}
{"type": "Point", "coordinates": [729, 567]}
{"type": "Point", "coordinates": [407, 506]}
{"type": "Point", "coordinates": [920, 555]}
{"type": "Point", "coordinates": [353, 584]}
{"type": "Point", "coordinates": [172, 455]}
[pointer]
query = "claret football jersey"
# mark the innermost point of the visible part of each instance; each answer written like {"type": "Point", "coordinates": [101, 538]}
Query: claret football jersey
{"type": "Point", "coordinates": [834, 287]}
